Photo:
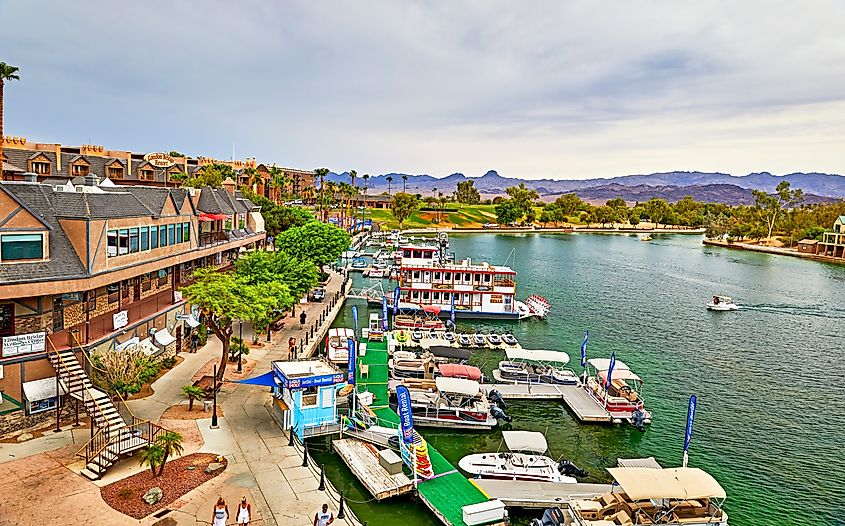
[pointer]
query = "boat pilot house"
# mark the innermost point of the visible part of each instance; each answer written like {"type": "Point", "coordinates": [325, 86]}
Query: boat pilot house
{"type": "Point", "coordinates": [305, 396]}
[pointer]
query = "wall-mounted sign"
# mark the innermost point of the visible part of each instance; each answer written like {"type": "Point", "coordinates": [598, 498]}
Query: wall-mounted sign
{"type": "Point", "coordinates": [160, 160]}
{"type": "Point", "coordinates": [315, 381]}
{"type": "Point", "coordinates": [121, 319]}
{"type": "Point", "coordinates": [24, 343]}
{"type": "Point", "coordinates": [177, 296]}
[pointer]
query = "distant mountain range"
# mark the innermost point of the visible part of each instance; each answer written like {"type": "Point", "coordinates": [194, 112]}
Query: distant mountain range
{"type": "Point", "coordinates": [703, 186]}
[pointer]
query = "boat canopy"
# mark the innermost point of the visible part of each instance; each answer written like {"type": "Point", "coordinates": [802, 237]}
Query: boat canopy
{"type": "Point", "coordinates": [457, 370]}
{"type": "Point", "coordinates": [620, 374]}
{"type": "Point", "coordinates": [603, 364]}
{"type": "Point", "coordinates": [431, 309]}
{"type": "Point", "coordinates": [667, 483]}
{"type": "Point", "coordinates": [531, 355]}
{"type": "Point", "coordinates": [457, 386]}
{"type": "Point", "coordinates": [342, 332]}
{"type": "Point", "coordinates": [455, 353]}
{"type": "Point", "coordinates": [532, 441]}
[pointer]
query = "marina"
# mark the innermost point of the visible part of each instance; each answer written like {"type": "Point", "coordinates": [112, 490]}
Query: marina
{"type": "Point", "coordinates": [528, 494]}
{"type": "Point", "coordinates": [364, 461]}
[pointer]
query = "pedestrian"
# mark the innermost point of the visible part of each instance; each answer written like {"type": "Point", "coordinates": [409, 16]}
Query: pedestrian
{"type": "Point", "coordinates": [195, 341]}
{"type": "Point", "coordinates": [291, 348]}
{"type": "Point", "coordinates": [244, 511]}
{"type": "Point", "coordinates": [324, 517]}
{"type": "Point", "coordinates": [220, 514]}
{"type": "Point", "coordinates": [302, 319]}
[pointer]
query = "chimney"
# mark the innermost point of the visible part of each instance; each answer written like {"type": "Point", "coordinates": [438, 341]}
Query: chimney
{"type": "Point", "coordinates": [30, 177]}
{"type": "Point", "coordinates": [229, 185]}
{"type": "Point", "coordinates": [92, 180]}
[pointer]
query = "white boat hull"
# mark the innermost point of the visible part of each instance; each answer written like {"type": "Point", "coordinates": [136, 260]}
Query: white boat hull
{"type": "Point", "coordinates": [721, 307]}
{"type": "Point", "coordinates": [513, 466]}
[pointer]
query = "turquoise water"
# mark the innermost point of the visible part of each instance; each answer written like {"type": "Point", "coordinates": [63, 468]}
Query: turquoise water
{"type": "Point", "coordinates": [770, 378]}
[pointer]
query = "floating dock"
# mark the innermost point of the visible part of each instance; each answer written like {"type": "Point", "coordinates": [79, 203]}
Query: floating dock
{"type": "Point", "coordinates": [362, 460]}
{"type": "Point", "coordinates": [584, 406]}
{"type": "Point", "coordinates": [527, 494]}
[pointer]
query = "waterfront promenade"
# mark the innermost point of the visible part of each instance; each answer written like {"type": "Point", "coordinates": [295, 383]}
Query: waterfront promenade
{"type": "Point", "coordinates": [261, 464]}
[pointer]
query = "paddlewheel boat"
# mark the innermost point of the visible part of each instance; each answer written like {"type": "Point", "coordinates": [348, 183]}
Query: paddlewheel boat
{"type": "Point", "coordinates": [455, 403]}
{"type": "Point", "coordinates": [526, 366]}
{"type": "Point", "coordinates": [622, 398]}
{"type": "Point", "coordinates": [525, 459]}
{"type": "Point", "coordinates": [337, 345]}
{"type": "Point", "coordinates": [666, 496]}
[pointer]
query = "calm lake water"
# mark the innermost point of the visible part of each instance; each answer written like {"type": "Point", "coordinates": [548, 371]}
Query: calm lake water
{"type": "Point", "coordinates": [770, 378]}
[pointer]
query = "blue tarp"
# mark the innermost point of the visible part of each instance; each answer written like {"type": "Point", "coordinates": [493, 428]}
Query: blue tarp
{"type": "Point", "coordinates": [265, 379]}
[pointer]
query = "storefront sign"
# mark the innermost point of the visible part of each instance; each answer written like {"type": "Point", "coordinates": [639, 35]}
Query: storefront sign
{"type": "Point", "coordinates": [121, 319]}
{"type": "Point", "coordinates": [177, 296]}
{"type": "Point", "coordinates": [160, 160]}
{"type": "Point", "coordinates": [315, 381]}
{"type": "Point", "coordinates": [24, 343]}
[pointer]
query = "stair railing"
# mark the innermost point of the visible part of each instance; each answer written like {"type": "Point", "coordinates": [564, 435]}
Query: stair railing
{"type": "Point", "coordinates": [87, 395]}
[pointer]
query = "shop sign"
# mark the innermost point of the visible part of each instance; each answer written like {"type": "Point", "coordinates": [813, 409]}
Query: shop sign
{"type": "Point", "coordinates": [24, 343]}
{"type": "Point", "coordinates": [177, 296]}
{"type": "Point", "coordinates": [160, 160]}
{"type": "Point", "coordinates": [121, 319]}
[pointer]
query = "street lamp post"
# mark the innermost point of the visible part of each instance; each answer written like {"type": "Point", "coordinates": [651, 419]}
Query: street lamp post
{"type": "Point", "coordinates": [214, 424]}
{"type": "Point", "coordinates": [240, 351]}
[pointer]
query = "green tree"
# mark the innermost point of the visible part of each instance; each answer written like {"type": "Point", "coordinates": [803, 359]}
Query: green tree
{"type": "Point", "coordinates": [192, 392]}
{"type": "Point", "coordinates": [769, 207]}
{"type": "Point", "coordinates": [547, 215]}
{"type": "Point", "coordinates": [507, 212]}
{"type": "Point", "coordinates": [322, 173]}
{"type": "Point", "coordinates": [389, 180]}
{"type": "Point", "coordinates": [297, 274]}
{"type": "Point", "coordinates": [174, 153]}
{"type": "Point", "coordinates": [523, 198]}
{"type": "Point", "coordinates": [467, 193]}
{"type": "Point", "coordinates": [171, 444]}
{"type": "Point", "coordinates": [634, 216]}
{"type": "Point", "coordinates": [403, 205]}
{"type": "Point", "coordinates": [568, 204]}
{"type": "Point", "coordinates": [404, 183]}
{"type": "Point", "coordinates": [279, 183]}
{"type": "Point", "coordinates": [152, 456]}
{"type": "Point", "coordinates": [7, 74]}
{"type": "Point", "coordinates": [657, 210]}
{"type": "Point", "coordinates": [211, 175]}
{"type": "Point", "coordinates": [617, 203]}
{"type": "Point", "coordinates": [317, 242]}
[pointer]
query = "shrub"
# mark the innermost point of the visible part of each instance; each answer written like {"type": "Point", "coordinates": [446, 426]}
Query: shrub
{"type": "Point", "coordinates": [202, 332]}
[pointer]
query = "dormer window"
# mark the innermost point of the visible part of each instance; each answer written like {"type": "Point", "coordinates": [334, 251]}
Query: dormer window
{"type": "Point", "coordinates": [148, 174]}
{"type": "Point", "coordinates": [21, 247]}
{"type": "Point", "coordinates": [115, 172]}
{"type": "Point", "coordinates": [40, 164]}
{"type": "Point", "coordinates": [80, 170]}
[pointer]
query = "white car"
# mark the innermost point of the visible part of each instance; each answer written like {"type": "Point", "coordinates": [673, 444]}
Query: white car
{"type": "Point", "coordinates": [490, 225]}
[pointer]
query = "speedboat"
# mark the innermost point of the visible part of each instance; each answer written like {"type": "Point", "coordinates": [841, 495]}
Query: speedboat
{"type": "Point", "coordinates": [449, 336]}
{"type": "Point", "coordinates": [621, 397]}
{"type": "Point", "coordinates": [376, 272]}
{"type": "Point", "coordinates": [478, 339]}
{"type": "Point", "coordinates": [509, 339]}
{"type": "Point", "coordinates": [722, 303]}
{"type": "Point", "coordinates": [525, 459]}
{"type": "Point", "coordinates": [359, 263]}
{"type": "Point", "coordinates": [666, 496]}
{"type": "Point", "coordinates": [645, 237]}
{"type": "Point", "coordinates": [337, 344]}
{"type": "Point", "coordinates": [455, 403]}
{"type": "Point", "coordinates": [494, 339]}
{"type": "Point", "coordinates": [416, 335]}
{"type": "Point", "coordinates": [464, 340]}
{"type": "Point", "coordinates": [526, 366]}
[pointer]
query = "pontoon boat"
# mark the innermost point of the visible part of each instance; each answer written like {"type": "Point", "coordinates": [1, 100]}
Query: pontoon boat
{"type": "Point", "coordinates": [526, 366]}
{"type": "Point", "coordinates": [455, 403]}
{"type": "Point", "coordinates": [337, 344]}
{"type": "Point", "coordinates": [525, 460]}
{"type": "Point", "coordinates": [623, 398]}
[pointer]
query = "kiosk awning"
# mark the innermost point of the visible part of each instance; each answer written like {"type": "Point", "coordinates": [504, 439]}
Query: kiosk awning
{"type": "Point", "coordinates": [268, 379]}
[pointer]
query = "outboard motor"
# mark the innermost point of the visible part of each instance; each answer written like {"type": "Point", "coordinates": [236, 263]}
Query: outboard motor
{"type": "Point", "coordinates": [638, 419]}
{"type": "Point", "coordinates": [496, 397]}
{"type": "Point", "coordinates": [551, 517]}
{"type": "Point", "coordinates": [498, 414]}
{"type": "Point", "coordinates": [569, 469]}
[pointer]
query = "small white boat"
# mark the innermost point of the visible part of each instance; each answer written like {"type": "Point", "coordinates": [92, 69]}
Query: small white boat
{"type": "Point", "coordinates": [464, 340]}
{"type": "Point", "coordinates": [449, 336]}
{"type": "Point", "coordinates": [494, 339]}
{"type": "Point", "coordinates": [337, 344]}
{"type": "Point", "coordinates": [525, 460]}
{"type": "Point", "coordinates": [509, 339]}
{"type": "Point", "coordinates": [376, 272]}
{"type": "Point", "coordinates": [416, 335]}
{"type": "Point", "coordinates": [479, 340]}
{"type": "Point", "coordinates": [722, 303]}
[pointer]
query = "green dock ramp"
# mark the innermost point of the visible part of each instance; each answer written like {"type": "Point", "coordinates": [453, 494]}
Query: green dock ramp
{"type": "Point", "coordinates": [449, 491]}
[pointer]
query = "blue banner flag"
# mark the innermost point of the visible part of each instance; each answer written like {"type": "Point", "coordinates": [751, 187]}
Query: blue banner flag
{"type": "Point", "coordinates": [384, 312]}
{"type": "Point", "coordinates": [693, 400]}
{"type": "Point", "coordinates": [584, 349]}
{"type": "Point", "coordinates": [452, 314]}
{"type": "Point", "coordinates": [610, 369]}
{"type": "Point", "coordinates": [350, 373]}
{"type": "Point", "coordinates": [406, 419]}
{"type": "Point", "coordinates": [396, 292]}
{"type": "Point", "coordinates": [355, 318]}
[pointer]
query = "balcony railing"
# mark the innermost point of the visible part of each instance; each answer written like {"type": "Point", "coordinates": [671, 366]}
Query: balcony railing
{"type": "Point", "coordinates": [213, 238]}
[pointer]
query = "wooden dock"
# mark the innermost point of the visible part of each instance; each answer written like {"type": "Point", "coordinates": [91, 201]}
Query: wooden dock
{"type": "Point", "coordinates": [584, 406]}
{"type": "Point", "coordinates": [527, 494]}
{"type": "Point", "coordinates": [362, 460]}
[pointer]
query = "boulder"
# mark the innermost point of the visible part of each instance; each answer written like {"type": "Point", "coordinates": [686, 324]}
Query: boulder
{"type": "Point", "coordinates": [212, 467]}
{"type": "Point", "coordinates": [152, 495]}
{"type": "Point", "coordinates": [23, 437]}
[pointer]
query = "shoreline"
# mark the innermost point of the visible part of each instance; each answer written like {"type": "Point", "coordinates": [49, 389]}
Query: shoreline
{"type": "Point", "coordinates": [554, 230]}
{"type": "Point", "coordinates": [778, 251]}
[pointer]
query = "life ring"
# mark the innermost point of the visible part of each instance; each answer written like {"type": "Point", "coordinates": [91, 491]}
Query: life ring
{"type": "Point", "coordinates": [402, 337]}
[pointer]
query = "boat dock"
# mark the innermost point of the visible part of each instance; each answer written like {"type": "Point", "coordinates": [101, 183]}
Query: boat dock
{"type": "Point", "coordinates": [527, 494]}
{"type": "Point", "coordinates": [584, 406]}
{"type": "Point", "coordinates": [449, 491]}
{"type": "Point", "coordinates": [362, 460]}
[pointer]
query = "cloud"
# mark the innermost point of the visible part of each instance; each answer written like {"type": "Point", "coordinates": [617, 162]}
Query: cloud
{"type": "Point", "coordinates": [536, 89]}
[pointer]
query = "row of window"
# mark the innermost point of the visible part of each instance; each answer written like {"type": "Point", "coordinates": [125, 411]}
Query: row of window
{"type": "Point", "coordinates": [17, 247]}
{"type": "Point", "coordinates": [139, 239]}
{"type": "Point", "coordinates": [113, 172]}
{"type": "Point", "coordinates": [447, 276]}
{"type": "Point", "coordinates": [460, 298]}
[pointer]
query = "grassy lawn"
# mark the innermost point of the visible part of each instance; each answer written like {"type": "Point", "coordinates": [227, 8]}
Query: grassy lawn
{"type": "Point", "coordinates": [465, 216]}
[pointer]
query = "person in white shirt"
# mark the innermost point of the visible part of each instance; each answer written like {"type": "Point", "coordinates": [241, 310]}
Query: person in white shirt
{"type": "Point", "coordinates": [244, 512]}
{"type": "Point", "coordinates": [323, 517]}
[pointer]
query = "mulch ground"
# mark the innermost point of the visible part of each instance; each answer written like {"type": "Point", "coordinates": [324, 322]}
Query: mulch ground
{"type": "Point", "coordinates": [146, 389]}
{"type": "Point", "coordinates": [177, 480]}
{"type": "Point", "coordinates": [180, 412]}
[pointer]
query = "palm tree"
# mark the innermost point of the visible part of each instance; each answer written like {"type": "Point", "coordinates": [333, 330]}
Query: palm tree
{"type": "Point", "coordinates": [329, 199]}
{"type": "Point", "coordinates": [404, 183]}
{"type": "Point", "coordinates": [321, 173]}
{"type": "Point", "coordinates": [277, 182]}
{"type": "Point", "coordinates": [192, 392]}
{"type": "Point", "coordinates": [153, 456]}
{"type": "Point", "coordinates": [366, 188]}
{"type": "Point", "coordinates": [7, 73]}
{"type": "Point", "coordinates": [171, 443]}
{"type": "Point", "coordinates": [308, 194]}
{"type": "Point", "coordinates": [389, 180]}
{"type": "Point", "coordinates": [353, 174]}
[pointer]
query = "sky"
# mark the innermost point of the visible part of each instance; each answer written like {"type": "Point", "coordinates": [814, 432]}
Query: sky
{"type": "Point", "coordinates": [534, 89]}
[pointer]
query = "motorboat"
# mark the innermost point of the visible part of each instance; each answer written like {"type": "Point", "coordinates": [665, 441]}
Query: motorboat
{"type": "Point", "coordinates": [494, 339]}
{"type": "Point", "coordinates": [645, 237]}
{"type": "Point", "coordinates": [416, 335]}
{"type": "Point", "coordinates": [337, 344]}
{"type": "Point", "coordinates": [464, 340]}
{"type": "Point", "coordinates": [406, 321]}
{"type": "Point", "coordinates": [405, 364]}
{"type": "Point", "coordinates": [528, 366]}
{"type": "Point", "coordinates": [375, 327]}
{"type": "Point", "coordinates": [722, 303]}
{"type": "Point", "coordinates": [640, 495]}
{"type": "Point", "coordinates": [432, 334]}
{"type": "Point", "coordinates": [449, 336]}
{"type": "Point", "coordinates": [455, 403]}
{"type": "Point", "coordinates": [622, 397]}
{"type": "Point", "coordinates": [359, 263]}
{"type": "Point", "coordinates": [479, 340]}
{"type": "Point", "coordinates": [525, 459]}
{"type": "Point", "coordinates": [509, 339]}
{"type": "Point", "coordinates": [377, 272]}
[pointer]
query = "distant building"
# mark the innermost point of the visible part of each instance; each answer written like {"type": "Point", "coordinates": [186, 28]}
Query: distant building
{"type": "Point", "coordinates": [833, 243]}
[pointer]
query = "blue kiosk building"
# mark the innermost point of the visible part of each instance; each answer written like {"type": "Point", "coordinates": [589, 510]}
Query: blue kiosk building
{"type": "Point", "coordinates": [305, 396]}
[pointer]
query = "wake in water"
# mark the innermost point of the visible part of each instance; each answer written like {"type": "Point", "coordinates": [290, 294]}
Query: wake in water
{"type": "Point", "coordinates": [815, 311]}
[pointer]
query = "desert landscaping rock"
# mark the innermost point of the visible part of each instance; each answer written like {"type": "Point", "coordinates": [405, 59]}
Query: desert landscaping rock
{"type": "Point", "coordinates": [23, 437]}
{"type": "Point", "coordinates": [152, 495]}
{"type": "Point", "coordinates": [214, 466]}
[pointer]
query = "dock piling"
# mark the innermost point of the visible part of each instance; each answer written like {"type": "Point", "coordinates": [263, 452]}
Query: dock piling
{"type": "Point", "coordinates": [340, 512]}
{"type": "Point", "coordinates": [322, 486]}
{"type": "Point", "coordinates": [304, 454]}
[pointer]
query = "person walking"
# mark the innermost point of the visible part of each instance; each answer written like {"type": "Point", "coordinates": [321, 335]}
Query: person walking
{"type": "Point", "coordinates": [220, 514]}
{"type": "Point", "coordinates": [302, 319]}
{"type": "Point", "coordinates": [323, 517]}
{"type": "Point", "coordinates": [291, 348]}
{"type": "Point", "coordinates": [195, 341]}
{"type": "Point", "coordinates": [244, 512]}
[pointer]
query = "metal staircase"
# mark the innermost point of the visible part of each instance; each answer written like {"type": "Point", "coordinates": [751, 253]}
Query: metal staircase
{"type": "Point", "coordinates": [119, 431]}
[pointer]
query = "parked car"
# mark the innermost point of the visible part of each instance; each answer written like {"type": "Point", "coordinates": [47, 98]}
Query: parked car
{"type": "Point", "coordinates": [490, 225]}
{"type": "Point", "coordinates": [318, 294]}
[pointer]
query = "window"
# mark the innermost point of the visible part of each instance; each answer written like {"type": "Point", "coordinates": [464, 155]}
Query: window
{"type": "Point", "coordinates": [79, 170]}
{"type": "Point", "coordinates": [162, 277]}
{"type": "Point", "coordinates": [406, 253]}
{"type": "Point", "coordinates": [178, 232]}
{"type": "Point", "coordinates": [153, 237]}
{"type": "Point", "coordinates": [58, 316]}
{"type": "Point", "coordinates": [92, 300]}
{"type": "Point", "coordinates": [447, 276]}
{"type": "Point", "coordinates": [416, 295]}
{"type": "Point", "coordinates": [15, 247]}
{"type": "Point", "coordinates": [111, 245]}
{"type": "Point", "coordinates": [486, 278]}
{"type": "Point", "coordinates": [115, 172]}
{"type": "Point", "coordinates": [40, 167]}
{"type": "Point", "coordinates": [148, 175]}
{"type": "Point", "coordinates": [477, 278]}
{"type": "Point", "coordinates": [436, 296]}
{"type": "Point", "coordinates": [171, 234]}
{"type": "Point", "coordinates": [228, 225]}
{"type": "Point", "coordinates": [186, 232]}
{"type": "Point", "coordinates": [146, 282]}
{"type": "Point", "coordinates": [467, 278]}
{"type": "Point", "coordinates": [7, 319]}
{"type": "Point", "coordinates": [416, 275]}
{"type": "Point", "coordinates": [123, 242]}
{"type": "Point", "coordinates": [114, 293]}
{"type": "Point", "coordinates": [133, 240]}
{"type": "Point", "coordinates": [145, 238]}
{"type": "Point", "coordinates": [436, 276]}
{"type": "Point", "coordinates": [241, 223]}
{"type": "Point", "coordinates": [162, 236]}
{"type": "Point", "coordinates": [309, 396]}
{"type": "Point", "coordinates": [425, 295]}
